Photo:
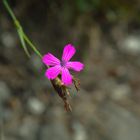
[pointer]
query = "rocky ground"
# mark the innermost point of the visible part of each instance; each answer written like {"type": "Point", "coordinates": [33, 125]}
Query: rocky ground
{"type": "Point", "coordinates": [106, 107]}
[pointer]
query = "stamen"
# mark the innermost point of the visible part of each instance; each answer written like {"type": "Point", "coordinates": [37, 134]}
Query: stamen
{"type": "Point", "coordinates": [63, 63]}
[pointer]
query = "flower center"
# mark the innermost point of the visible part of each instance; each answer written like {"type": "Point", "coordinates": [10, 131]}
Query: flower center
{"type": "Point", "coordinates": [63, 63]}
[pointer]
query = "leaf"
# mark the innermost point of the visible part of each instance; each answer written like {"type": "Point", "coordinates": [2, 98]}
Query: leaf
{"type": "Point", "coordinates": [29, 42]}
{"type": "Point", "coordinates": [20, 33]}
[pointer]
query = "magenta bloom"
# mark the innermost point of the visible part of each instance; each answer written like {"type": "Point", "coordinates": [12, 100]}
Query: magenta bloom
{"type": "Point", "coordinates": [62, 67]}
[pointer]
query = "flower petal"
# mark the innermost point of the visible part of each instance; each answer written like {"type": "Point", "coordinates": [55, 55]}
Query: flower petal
{"type": "Point", "coordinates": [75, 65]}
{"type": "Point", "coordinates": [68, 52]}
{"type": "Point", "coordinates": [50, 60]}
{"type": "Point", "coordinates": [53, 72]}
{"type": "Point", "coordinates": [66, 76]}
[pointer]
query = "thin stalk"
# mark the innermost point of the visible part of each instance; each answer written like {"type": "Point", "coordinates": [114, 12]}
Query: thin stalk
{"type": "Point", "coordinates": [31, 45]}
{"type": "Point", "coordinates": [23, 37]}
{"type": "Point", "coordinates": [20, 32]}
{"type": "Point", "coordinates": [9, 10]}
{"type": "Point", "coordinates": [57, 84]}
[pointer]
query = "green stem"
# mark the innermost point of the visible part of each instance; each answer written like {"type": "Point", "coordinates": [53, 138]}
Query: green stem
{"type": "Point", "coordinates": [20, 32]}
{"type": "Point", "coordinates": [9, 10]}
{"type": "Point", "coordinates": [23, 37]}
{"type": "Point", "coordinates": [31, 45]}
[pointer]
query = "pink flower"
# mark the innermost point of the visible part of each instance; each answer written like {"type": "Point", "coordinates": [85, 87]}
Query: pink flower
{"type": "Point", "coordinates": [62, 67]}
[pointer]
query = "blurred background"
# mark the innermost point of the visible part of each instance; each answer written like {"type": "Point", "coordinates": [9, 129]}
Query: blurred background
{"type": "Point", "coordinates": [106, 35]}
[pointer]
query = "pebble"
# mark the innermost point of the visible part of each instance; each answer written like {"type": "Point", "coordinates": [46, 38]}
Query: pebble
{"type": "Point", "coordinates": [120, 92]}
{"type": "Point", "coordinates": [8, 40]}
{"type": "Point", "coordinates": [131, 45]}
{"type": "Point", "coordinates": [4, 91]}
{"type": "Point", "coordinates": [36, 106]}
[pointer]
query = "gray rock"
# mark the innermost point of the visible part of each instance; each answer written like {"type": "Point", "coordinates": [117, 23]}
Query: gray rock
{"type": "Point", "coordinates": [79, 131]}
{"type": "Point", "coordinates": [120, 92]}
{"type": "Point", "coordinates": [131, 45]}
{"type": "Point", "coordinates": [116, 91]}
{"type": "Point", "coordinates": [4, 91]}
{"type": "Point", "coordinates": [120, 124]}
{"type": "Point", "coordinates": [6, 114]}
{"type": "Point", "coordinates": [55, 131]}
{"type": "Point", "coordinates": [28, 129]}
{"type": "Point", "coordinates": [8, 40]}
{"type": "Point", "coordinates": [36, 106]}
